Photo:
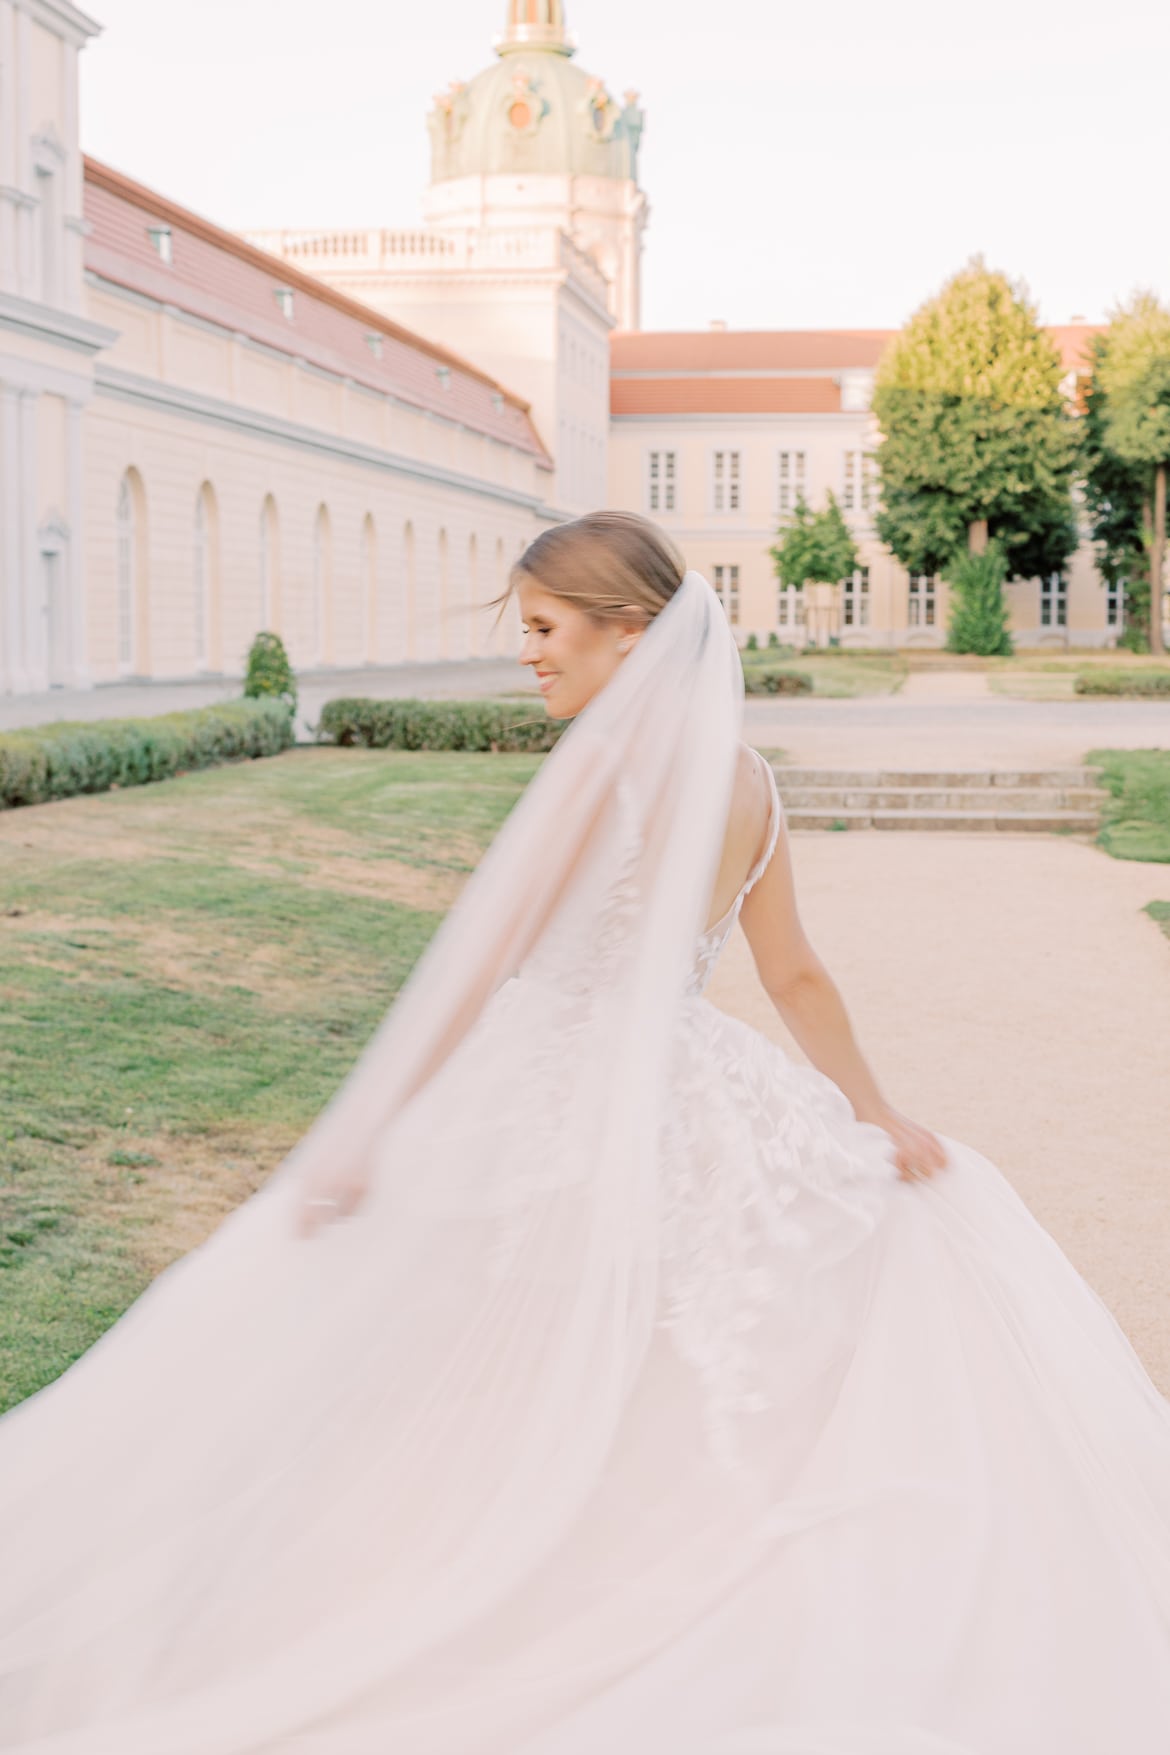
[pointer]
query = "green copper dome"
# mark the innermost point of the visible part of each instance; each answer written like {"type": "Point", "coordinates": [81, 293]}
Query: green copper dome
{"type": "Point", "coordinates": [535, 110]}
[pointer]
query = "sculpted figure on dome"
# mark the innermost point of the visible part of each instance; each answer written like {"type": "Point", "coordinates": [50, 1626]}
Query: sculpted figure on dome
{"type": "Point", "coordinates": [524, 105]}
{"type": "Point", "coordinates": [600, 111]}
{"type": "Point", "coordinates": [447, 117]}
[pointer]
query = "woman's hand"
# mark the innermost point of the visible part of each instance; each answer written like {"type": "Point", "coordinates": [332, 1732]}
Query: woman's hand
{"type": "Point", "coordinates": [319, 1207]}
{"type": "Point", "coordinates": [918, 1153]}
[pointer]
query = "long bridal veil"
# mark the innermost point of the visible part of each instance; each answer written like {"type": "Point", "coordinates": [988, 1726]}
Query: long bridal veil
{"type": "Point", "coordinates": [296, 1465]}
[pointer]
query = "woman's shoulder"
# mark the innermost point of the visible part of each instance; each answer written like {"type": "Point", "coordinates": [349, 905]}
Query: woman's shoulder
{"type": "Point", "coordinates": [752, 777]}
{"type": "Point", "coordinates": [750, 821]}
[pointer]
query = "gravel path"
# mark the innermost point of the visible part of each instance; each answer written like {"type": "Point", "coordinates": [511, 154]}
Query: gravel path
{"type": "Point", "coordinates": [1009, 991]}
{"type": "Point", "coordinates": [951, 729]}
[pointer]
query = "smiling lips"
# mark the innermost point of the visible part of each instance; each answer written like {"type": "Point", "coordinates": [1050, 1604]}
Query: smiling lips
{"type": "Point", "coordinates": [546, 677]}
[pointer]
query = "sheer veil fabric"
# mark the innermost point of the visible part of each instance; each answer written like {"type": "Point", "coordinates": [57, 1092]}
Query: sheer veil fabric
{"type": "Point", "coordinates": [188, 1554]}
{"type": "Point", "coordinates": [639, 1407]}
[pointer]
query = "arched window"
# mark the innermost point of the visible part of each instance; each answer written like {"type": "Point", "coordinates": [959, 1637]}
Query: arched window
{"type": "Point", "coordinates": [318, 609]}
{"type": "Point", "coordinates": [132, 586]}
{"type": "Point", "coordinates": [205, 564]}
{"type": "Point", "coordinates": [369, 574]}
{"type": "Point", "coordinates": [127, 568]}
{"type": "Point", "coordinates": [199, 568]}
{"type": "Point", "coordinates": [268, 563]}
{"type": "Point", "coordinates": [408, 582]}
{"type": "Point", "coordinates": [472, 596]}
{"type": "Point", "coordinates": [444, 592]}
{"type": "Point", "coordinates": [498, 624]}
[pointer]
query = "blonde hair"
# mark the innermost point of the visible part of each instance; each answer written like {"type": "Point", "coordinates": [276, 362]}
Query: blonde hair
{"type": "Point", "coordinates": [606, 563]}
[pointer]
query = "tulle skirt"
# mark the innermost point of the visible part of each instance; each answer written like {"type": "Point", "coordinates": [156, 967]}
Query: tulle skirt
{"type": "Point", "coordinates": [881, 1475]}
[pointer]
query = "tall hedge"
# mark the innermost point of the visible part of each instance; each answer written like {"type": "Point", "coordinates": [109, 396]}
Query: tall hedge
{"type": "Point", "coordinates": [44, 762]}
{"type": "Point", "coordinates": [438, 725]}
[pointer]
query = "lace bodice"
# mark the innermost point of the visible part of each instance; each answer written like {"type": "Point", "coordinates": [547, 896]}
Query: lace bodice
{"type": "Point", "coordinates": [711, 942]}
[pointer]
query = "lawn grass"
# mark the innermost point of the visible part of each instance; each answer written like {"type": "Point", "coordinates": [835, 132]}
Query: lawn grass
{"type": "Point", "coordinates": [1160, 911]}
{"type": "Point", "coordinates": [836, 674]}
{"type": "Point", "coordinates": [1040, 674]}
{"type": "Point", "coordinates": [1137, 817]}
{"type": "Point", "coordinates": [187, 972]}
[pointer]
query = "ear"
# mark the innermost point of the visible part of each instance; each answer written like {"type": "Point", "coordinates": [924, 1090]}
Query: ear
{"type": "Point", "coordinates": [631, 622]}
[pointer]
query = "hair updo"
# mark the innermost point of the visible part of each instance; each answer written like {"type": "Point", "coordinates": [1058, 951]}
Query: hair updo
{"type": "Point", "coordinates": [606, 563]}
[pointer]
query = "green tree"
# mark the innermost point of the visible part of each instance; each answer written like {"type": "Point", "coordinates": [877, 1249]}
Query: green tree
{"type": "Point", "coordinates": [977, 438]}
{"type": "Point", "coordinates": [269, 671]}
{"type": "Point", "coordinates": [1116, 506]}
{"type": "Point", "coordinates": [978, 621]}
{"type": "Point", "coordinates": [1135, 380]}
{"type": "Point", "coordinates": [814, 547]}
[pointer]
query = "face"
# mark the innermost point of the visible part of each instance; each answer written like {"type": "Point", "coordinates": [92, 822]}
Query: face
{"type": "Point", "coordinates": [571, 655]}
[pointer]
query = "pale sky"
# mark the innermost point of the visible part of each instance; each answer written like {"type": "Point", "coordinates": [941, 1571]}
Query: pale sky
{"type": "Point", "coordinates": [820, 166]}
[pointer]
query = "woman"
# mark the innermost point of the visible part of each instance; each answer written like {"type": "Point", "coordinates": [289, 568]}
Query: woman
{"type": "Point", "coordinates": [655, 1394]}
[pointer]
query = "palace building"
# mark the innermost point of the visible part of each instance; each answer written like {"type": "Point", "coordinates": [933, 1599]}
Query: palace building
{"type": "Point", "coordinates": [348, 436]}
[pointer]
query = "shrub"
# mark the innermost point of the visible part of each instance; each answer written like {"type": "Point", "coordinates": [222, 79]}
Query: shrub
{"type": "Point", "coordinates": [773, 640]}
{"type": "Point", "coordinates": [777, 682]}
{"type": "Point", "coordinates": [753, 644]}
{"type": "Point", "coordinates": [269, 672]}
{"type": "Point", "coordinates": [1146, 683]}
{"type": "Point", "coordinates": [45, 762]}
{"type": "Point", "coordinates": [438, 725]}
{"type": "Point", "coordinates": [978, 611]}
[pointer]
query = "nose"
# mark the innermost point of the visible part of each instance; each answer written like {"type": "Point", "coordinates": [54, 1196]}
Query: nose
{"type": "Point", "coordinates": [528, 649]}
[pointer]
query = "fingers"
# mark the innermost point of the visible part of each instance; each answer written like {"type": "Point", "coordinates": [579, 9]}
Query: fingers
{"type": "Point", "coordinates": [920, 1153]}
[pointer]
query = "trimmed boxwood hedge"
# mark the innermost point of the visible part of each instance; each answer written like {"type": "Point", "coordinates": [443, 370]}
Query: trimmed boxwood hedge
{"type": "Point", "coordinates": [776, 682]}
{"type": "Point", "coordinates": [438, 725]}
{"type": "Point", "coordinates": [1123, 682]}
{"type": "Point", "coordinates": [43, 762]}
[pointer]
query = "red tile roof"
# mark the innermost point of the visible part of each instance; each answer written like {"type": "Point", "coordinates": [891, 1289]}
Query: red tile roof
{"type": "Point", "coordinates": [767, 371]}
{"type": "Point", "coordinates": [738, 395]}
{"type": "Point", "coordinates": [218, 277]}
{"type": "Point", "coordinates": [1073, 341]}
{"type": "Point", "coordinates": [760, 350]}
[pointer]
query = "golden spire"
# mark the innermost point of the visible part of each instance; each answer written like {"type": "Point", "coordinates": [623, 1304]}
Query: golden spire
{"type": "Point", "coordinates": [535, 24]}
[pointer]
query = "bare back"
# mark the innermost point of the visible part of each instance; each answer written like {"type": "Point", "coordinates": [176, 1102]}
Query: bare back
{"type": "Point", "coordinates": [746, 833]}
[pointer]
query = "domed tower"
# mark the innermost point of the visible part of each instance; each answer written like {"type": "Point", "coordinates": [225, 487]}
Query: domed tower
{"type": "Point", "coordinates": [531, 251]}
{"type": "Point", "coordinates": [535, 140]}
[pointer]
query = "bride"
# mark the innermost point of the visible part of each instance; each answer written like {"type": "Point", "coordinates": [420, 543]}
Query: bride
{"type": "Point", "coordinates": [592, 1377]}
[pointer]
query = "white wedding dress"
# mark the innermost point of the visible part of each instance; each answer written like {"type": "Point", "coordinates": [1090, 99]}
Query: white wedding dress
{"type": "Point", "coordinates": [641, 1408]}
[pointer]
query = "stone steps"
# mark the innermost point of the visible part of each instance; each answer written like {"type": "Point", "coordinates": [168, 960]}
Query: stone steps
{"type": "Point", "coordinates": [1031, 801]}
{"type": "Point", "coordinates": [981, 777]}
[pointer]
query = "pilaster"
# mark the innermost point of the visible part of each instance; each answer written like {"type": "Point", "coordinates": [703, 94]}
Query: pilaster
{"type": "Point", "coordinates": [29, 671]}
{"type": "Point", "coordinates": [80, 675]}
{"type": "Point", "coordinates": [11, 583]}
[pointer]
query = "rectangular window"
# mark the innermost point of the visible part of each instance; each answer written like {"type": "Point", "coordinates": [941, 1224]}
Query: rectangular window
{"type": "Point", "coordinates": [1054, 601]}
{"type": "Point", "coordinates": [855, 599]}
{"type": "Point", "coordinates": [661, 476]}
{"type": "Point", "coordinates": [857, 482]}
{"type": "Point", "coordinates": [726, 481]}
{"type": "Point", "coordinates": [790, 473]}
{"type": "Point", "coordinates": [727, 591]}
{"type": "Point", "coordinates": [921, 605]}
{"type": "Point", "coordinates": [1115, 603]}
{"type": "Point", "coordinates": [790, 607]}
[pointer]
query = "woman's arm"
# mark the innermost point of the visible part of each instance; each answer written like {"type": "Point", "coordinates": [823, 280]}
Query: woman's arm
{"type": "Point", "coordinates": [807, 999]}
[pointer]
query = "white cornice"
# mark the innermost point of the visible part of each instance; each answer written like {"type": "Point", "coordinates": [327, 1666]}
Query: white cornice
{"type": "Point", "coordinates": [62, 18]}
{"type": "Point", "coordinates": [168, 399]}
{"type": "Point", "coordinates": [45, 323]}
